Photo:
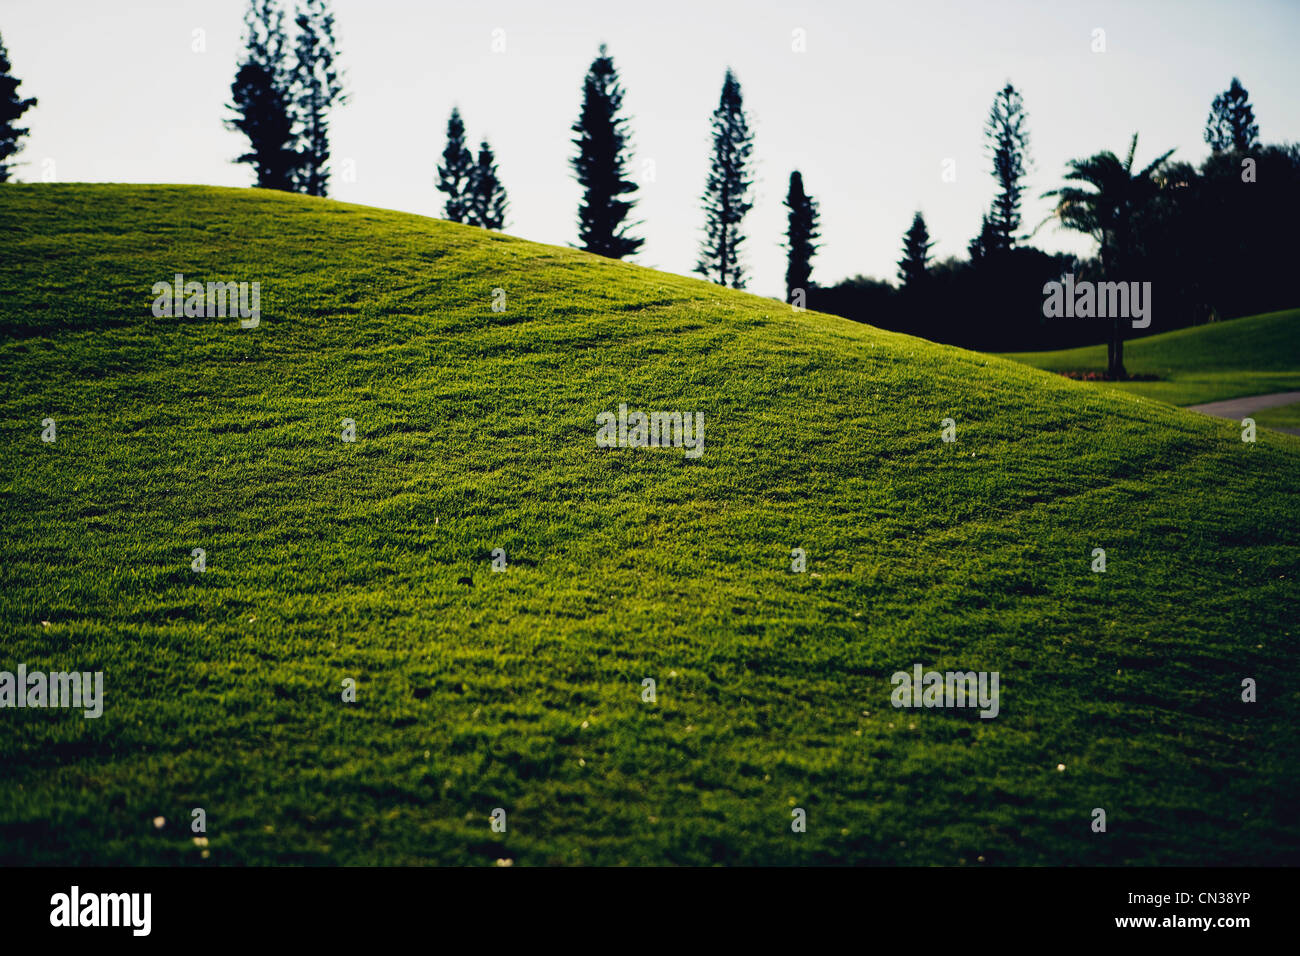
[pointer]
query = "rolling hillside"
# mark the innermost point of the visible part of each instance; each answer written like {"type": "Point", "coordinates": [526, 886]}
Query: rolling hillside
{"type": "Point", "coordinates": [1206, 363]}
{"type": "Point", "coordinates": [372, 561]}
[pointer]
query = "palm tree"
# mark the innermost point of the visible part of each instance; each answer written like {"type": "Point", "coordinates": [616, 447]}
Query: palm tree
{"type": "Point", "coordinates": [1108, 212]}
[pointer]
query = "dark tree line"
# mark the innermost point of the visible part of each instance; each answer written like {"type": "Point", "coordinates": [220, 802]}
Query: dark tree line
{"type": "Point", "coordinates": [281, 100]}
{"type": "Point", "coordinates": [1211, 240]}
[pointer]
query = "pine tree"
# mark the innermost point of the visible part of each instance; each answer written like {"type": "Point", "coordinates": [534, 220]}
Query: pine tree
{"type": "Point", "coordinates": [726, 195]}
{"type": "Point", "coordinates": [916, 254]}
{"type": "Point", "coordinates": [261, 98]}
{"type": "Point", "coordinates": [487, 199]}
{"type": "Point", "coordinates": [318, 86]}
{"type": "Point", "coordinates": [601, 163]}
{"type": "Point", "coordinates": [1008, 142]}
{"type": "Point", "coordinates": [801, 237]}
{"type": "Point", "coordinates": [456, 170]}
{"type": "Point", "coordinates": [12, 107]}
{"type": "Point", "coordinates": [983, 245]}
{"type": "Point", "coordinates": [1231, 124]}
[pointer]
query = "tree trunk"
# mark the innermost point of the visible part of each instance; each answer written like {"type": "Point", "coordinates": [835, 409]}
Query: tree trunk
{"type": "Point", "coordinates": [1115, 347]}
{"type": "Point", "coordinates": [1116, 351]}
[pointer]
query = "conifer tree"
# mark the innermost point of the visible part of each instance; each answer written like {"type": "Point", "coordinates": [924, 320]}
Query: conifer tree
{"type": "Point", "coordinates": [12, 107]}
{"type": "Point", "coordinates": [801, 235]}
{"type": "Point", "coordinates": [261, 98]}
{"type": "Point", "coordinates": [317, 87]}
{"type": "Point", "coordinates": [983, 245]}
{"type": "Point", "coordinates": [1008, 142]}
{"type": "Point", "coordinates": [726, 195]}
{"type": "Point", "coordinates": [601, 162]}
{"type": "Point", "coordinates": [487, 201]}
{"type": "Point", "coordinates": [1231, 124]}
{"type": "Point", "coordinates": [916, 254]}
{"type": "Point", "coordinates": [456, 170]}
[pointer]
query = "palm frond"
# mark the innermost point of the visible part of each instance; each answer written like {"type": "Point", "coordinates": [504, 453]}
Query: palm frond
{"type": "Point", "coordinates": [1132, 151]}
{"type": "Point", "coordinates": [1146, 173]}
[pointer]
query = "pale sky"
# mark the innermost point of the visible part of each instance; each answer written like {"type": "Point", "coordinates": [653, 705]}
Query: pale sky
{"type": "Point", "coordinates": [885, 92]}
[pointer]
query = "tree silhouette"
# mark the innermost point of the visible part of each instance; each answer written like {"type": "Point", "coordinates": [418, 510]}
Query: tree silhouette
{"type": "Point", "coordinates": [487, 197]}
{"type": "Point", "coordinates": [916, 254]}
{"type": "Point", "coordinates": [726, 195]}
{"type": "Point", "coordinates": [261, 99]}
{"type": "Point", "coordinates": [318, 86]}
{"type": "Point", "coordinates": [601, 163]}
{"type": "Point", "coordinates": [12, 107]}
{"type": "Point", "coordinates": [985, 244]}
{"type": "Point", "coordinates": [456, 170]}
{"type": "Point", "coordinates": [801, 237]}
{"type": "Point", "coordinates": [1231, 124]}
{"type": "Point", "coordinates": [1109, 211]}
{"type": "Point", "coordinates": [1008, 141]}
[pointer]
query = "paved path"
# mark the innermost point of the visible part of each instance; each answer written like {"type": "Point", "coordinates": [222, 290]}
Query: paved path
{"type": "Point", "coordinates": [1239, 408]}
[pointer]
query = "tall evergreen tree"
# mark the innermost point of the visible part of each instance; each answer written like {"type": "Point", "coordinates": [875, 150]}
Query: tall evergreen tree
{"type": "Point", "coordinates": [801, 235]}
{"type": "Point", "coordinates": [726, 195]}
{"type": "Point", "coordinates": [318, 86]}
{"type": "Point", "coordinates": [916, 254]}
{"type": "Point", "coordinates": [261, 98]}
{"type": "Point", "coordinates": [12, 107]}
{"type": "Point", "coordinates": [456, 170]}
{"type": "Point", "coordinates": [601, 164]}
{"type": "Point", "coordinates": [983, 245]}
{"type": "Point", "coordinates": [1231, 124]}
{"type": "Point", "coordinates": [1007, 137]}
{"type": "Point", "coordinates": [487, 200]}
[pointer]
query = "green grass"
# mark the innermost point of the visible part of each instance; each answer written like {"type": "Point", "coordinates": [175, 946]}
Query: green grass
{"type": "Point", "coordinates": [1206, 363]}
{"type": "Point", "coordinates": [1284, 416]}
{"type": "Point", "coordinates": [522, 689]}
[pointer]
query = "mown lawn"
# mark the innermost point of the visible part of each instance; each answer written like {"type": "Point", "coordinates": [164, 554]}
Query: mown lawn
{"type": "Point", "coordinates": [1284, 416]}
{"type": "Point", "coordinates": [1207, 363]}
{"type": "Point", "coordinates": [523, 690]}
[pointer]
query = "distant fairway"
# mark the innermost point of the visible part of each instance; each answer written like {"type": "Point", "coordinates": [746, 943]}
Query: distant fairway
{"type": "Point", "coordinates": [1287, 416]}
{"type": "Point", "coordinates": [523, 690]}
{"type": "Point", "coordinates": [1206, 363]}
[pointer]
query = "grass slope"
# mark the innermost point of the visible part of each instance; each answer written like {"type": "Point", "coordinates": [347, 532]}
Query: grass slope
{"type": "Point", "coordinates": [1206, 363]}
{"type": "Point", "coordinates": [522, 689]}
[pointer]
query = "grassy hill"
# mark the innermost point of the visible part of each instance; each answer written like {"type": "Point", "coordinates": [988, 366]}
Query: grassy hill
{"type": "Point", "coordinates": [1206, 363]}
{"type": "Point", "coordinates": [522, 690]}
